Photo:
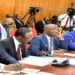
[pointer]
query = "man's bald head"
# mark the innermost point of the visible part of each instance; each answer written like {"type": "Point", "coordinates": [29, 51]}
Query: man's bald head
{"type": "Point", "coordinates": [51, 29]}
{"type": "Point", "coordinates": [50, 26]}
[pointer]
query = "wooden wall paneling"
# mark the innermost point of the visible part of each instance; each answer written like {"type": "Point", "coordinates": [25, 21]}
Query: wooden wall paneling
{"type": "Point", "coordinates": [49, 7]}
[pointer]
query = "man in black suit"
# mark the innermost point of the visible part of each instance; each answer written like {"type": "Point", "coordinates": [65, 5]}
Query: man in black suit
{"type": "Point", "coordinates": [5, 58]}
{"type": "Point", "coordinates": [22, 36]}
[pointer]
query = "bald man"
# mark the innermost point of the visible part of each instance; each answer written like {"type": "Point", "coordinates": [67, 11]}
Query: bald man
{"type": "Point", "coordinates": [44, 44]}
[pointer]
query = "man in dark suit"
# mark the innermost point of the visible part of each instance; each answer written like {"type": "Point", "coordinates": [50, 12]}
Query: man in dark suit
{"type": "Point", "coordinates": [22, 36]}
{"type": "Point", "coordinates": [5, 58]}
{"type": "Point", "coordinates": [19, 23]}
{"type": "Point", "coordinates": [42, 44]}
{"type": "Point", "coordinates": [10, 64]}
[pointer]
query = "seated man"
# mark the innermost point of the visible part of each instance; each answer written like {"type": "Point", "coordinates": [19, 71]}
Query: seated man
{"type": "Point", "coordinates": [9, 63]}
{"type": "Point", "coordinates": [15, 46]}
{"type": "Point", "coordinates": [70, 38]}
{"type": "Point", "coordinates": [45, 43]}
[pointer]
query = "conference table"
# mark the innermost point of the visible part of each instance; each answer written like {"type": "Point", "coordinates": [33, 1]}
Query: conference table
{"type": "Point", "coordinates": [58, 70]}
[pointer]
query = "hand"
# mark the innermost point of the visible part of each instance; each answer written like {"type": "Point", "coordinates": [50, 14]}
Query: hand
{"type": "Point", "coordinates": [14, 67]}
{"type": "Point", "coordinates": [59, 35]}
{"type": "Point", "coordinates": [59, 51]}
{"type": "Point", "coordinates": [42, 53]}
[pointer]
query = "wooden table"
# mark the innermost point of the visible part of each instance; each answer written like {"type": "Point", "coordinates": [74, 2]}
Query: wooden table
{"type": "Point", "coordinates": [64, 70]}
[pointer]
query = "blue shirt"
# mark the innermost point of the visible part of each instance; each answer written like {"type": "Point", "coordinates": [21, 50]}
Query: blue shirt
{"type": "Point", "coordinates": [70, 39]}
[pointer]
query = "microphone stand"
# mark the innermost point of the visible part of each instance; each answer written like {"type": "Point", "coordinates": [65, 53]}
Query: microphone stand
{"type": "Point", "coordinates": [70, 26]}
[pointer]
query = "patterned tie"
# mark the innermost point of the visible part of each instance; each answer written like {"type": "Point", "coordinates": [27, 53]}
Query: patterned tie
{"type": "Point", "coordinates": [51, 45]}
{"type": "Point", "coordinates": [66, 24]}
{"type": "Point", "coordinates": [19, 53]}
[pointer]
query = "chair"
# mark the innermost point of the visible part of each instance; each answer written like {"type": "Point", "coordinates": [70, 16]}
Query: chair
{"type": "Point", "coordinates": [12, 32]}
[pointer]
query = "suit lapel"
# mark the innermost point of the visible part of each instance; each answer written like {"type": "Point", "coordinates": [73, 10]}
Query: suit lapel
{"type": "Point", "coordinates": [14, 48]}
{"type": "Point", "coordinates": [45, 41]}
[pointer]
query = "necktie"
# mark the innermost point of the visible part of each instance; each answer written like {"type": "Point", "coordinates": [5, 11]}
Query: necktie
{"type": "Point", "coordinates": [19, 53]}
{"type": "Point", "coordinates": [51, 45]}
{"type": "Point", "coordinates": [66, 24]}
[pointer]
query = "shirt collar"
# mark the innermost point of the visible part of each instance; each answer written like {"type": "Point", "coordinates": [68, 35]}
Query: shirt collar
{"type": "Point", "coordinates": [15, 40]}
{"type": "Point", "coordinates": [47, 36]}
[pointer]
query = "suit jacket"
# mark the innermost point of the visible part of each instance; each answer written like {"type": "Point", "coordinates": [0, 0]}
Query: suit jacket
{"type": "Point", "coordinates": [39, 26]}
{"type": "Point", "coordinates": [9, 46]}
{"type": "Point", "coordinates": [40, 42]}
{"type": "Point", "coordinates": [19, 24]}
{"type": "Point", "coordinates": [70, 39]}
{"type": "Point", "coordinates": [5, 58]}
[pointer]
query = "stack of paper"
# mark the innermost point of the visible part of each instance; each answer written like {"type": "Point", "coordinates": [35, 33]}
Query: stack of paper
{"type": "Point", "coordinates": [69, 54]}
{"type": "Point", "coordinates": [72, 61]}
{"type": "Point", "coordinates": [40, 73]}
{"type": "Point", "coordinates": [38, 61]}
{"type": "Point", "coordinates": [27, 71]}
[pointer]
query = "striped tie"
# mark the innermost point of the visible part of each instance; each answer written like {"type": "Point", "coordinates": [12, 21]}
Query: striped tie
{"type": "Point", "coordinates": [51, 45]}
{"type": "Point", "coordinates": [66, 24]}
{"type": "Point", "coordinates": [19, 53]}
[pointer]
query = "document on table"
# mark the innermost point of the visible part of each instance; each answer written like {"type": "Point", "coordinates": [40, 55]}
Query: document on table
{"type": "Point", "coordinates": [69, 54]}
{"type": "Point", "coordinates": [38, 61]}
{"type": "Point", "coordinates": [43, 61]}
{"type": "Point", "coordinates": [40, 73]}
{"type": "Point", "coordinates": [72, 61]}
{"type": "Point", "coordinates": [27, 71]}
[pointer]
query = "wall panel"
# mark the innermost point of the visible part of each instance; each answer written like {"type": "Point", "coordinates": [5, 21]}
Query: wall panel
{"type": "Point", "coordinates": [49, 7]}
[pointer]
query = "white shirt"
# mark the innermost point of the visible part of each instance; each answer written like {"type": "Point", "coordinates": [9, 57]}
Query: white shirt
{"type": "Point", "coordinates": [3, 32]}
{"type": "Point", "coordinates": [48, 38]}
{"type": "Point", "coordinates": [16, 43]}
{"type": "Point", "coordinates": [63, 18]}
{"type": "Point", "coordinates": [19, 21]}
{"type": "Point", "coordinates": [2, 66]}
